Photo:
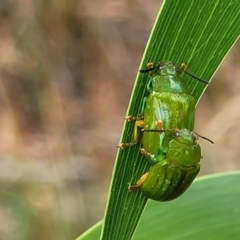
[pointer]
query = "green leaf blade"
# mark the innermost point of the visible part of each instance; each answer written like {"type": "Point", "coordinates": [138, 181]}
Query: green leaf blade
{"type": "Point", "coordinates": [203, 212]}
{"type": "Point", "coordinates": [210, 209]}
{"type": "Point", "coordinates": [197, 32]}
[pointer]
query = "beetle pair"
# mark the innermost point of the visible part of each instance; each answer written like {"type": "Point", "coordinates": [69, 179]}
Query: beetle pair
{"type": "Point", "coordinates": [169, 142]}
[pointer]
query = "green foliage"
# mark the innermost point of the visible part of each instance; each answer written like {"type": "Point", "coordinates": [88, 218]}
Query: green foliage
{"type": "Point", "coordinates": [199, 33]}
{"type": "Point", "coordinates": [208, 210]}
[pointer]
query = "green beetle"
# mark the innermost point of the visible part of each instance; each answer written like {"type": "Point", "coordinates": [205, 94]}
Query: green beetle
{"type": "Point", "coordinates": [169, 105]}
{"type": "Point", "coordinates": [174, 154]}
{"type": "Point", "coordinates": [171, 177]}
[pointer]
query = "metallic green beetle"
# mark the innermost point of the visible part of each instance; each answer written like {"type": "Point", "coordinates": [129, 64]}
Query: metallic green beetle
{"type": "Point", "coordinates": [168, 106]}
{"type": "Point", "coordinates": [171, 177]}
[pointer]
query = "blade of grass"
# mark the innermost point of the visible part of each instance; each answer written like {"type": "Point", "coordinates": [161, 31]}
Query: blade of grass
{"type": "Point", "coordinates": [197, 32]}
{"type": "Point", "coordinates": [209, 210]}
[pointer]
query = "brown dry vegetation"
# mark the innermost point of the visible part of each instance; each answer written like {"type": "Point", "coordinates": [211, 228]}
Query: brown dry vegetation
{"type": "Point", "coordinates": [67, 69]}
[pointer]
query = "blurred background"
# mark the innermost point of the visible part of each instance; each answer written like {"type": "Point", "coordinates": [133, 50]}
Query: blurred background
{"type": "Point", "coordinates": [67, 69]}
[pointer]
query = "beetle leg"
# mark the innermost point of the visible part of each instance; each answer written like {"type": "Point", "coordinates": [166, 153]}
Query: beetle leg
{"type": "Point", "coordinates": [153, 159]}
{"type": "Point", "coordinates": [138, 124]}
{"type": "Point", "coordinates": [146, 154]}
{"type": "Point", "coordinates": [139, 183]}
{"type": "Point", "coordinates": [131, 118]}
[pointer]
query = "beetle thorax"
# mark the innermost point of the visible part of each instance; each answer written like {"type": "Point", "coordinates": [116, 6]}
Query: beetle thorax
{"type": "Point", "coordinates": [167, 69]}
{"type": "Point", "coordinates": [168, 83]}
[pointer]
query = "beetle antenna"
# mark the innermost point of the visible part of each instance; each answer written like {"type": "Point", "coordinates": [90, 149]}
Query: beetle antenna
{"type": "Point", "coordinates": [197, 78]}
{"type": "Point", "coordinates": [183, 67]}
{"type": "Point", "coordinates": [147, 70]}
{"type": "Point", "coordinates": [150, 67]}
{"type": "Point", "coordinates": [156, 130]}
{"type": "Point", "coordinates": [205, 138]}
{"type": "Point", "coordinates": [160, 130]}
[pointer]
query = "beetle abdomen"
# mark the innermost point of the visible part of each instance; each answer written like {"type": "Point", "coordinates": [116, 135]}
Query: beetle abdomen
{"type": "Point", "coordinates": [167, 180]}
